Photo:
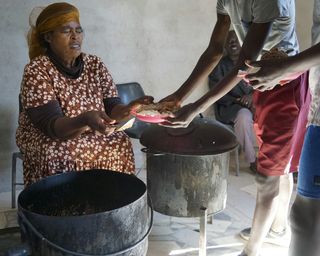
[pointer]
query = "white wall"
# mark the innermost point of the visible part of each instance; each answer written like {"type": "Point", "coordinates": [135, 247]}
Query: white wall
{"type": "Point", "coordinates": [154, 42]}
{"type": "Point", "coordinates": [304, 22]}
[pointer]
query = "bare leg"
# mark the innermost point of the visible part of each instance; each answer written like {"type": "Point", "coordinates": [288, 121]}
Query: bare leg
{"type": "Point", "coordinates": [280, 222]}
{"type": "Point", "coordinates": [265, 211]}
{"type": "Point", "coordinates": [305, 227]}
{"type": "Point", "coordinates": [272, 206]}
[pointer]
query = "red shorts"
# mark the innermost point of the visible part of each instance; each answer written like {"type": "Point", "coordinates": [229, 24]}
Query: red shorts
{"type": "Point", "coordinates": [280, 124]}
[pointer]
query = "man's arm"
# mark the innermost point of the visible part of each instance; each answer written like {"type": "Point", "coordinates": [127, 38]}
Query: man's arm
{"type": "Point", "coordinates": [306, 59]}
{"type": "Point", "coordinates": [209, 59]}
{"type": "Point", "coordinates": [251, 48]}
{"type": "Point", "coordinates": [272, 71]}
{"type": "Point", "coordinates": [214, 78]}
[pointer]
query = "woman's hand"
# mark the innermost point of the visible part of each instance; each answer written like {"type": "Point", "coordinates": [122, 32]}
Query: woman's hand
{"type": "Point", "coordinates": [182, 118]}
{"type": "Point", "coordinates": [71, 127]}
{"type": "Point", "coordinates": [99, 121]}
{"type": "Point", "coordinates": [123, 112]}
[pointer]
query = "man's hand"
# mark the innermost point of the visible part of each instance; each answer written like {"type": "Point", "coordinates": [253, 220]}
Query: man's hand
{"type": "Point", "coordinates": [135, 104]}
{"type": "Point", "coordinates": [123, 112]}
{"type": "Point", "coordinates": [172, 101]}
{"type": "Point", "coordinates": [182, 118]}
{"type": "Point", "coordinates": [270, 73]}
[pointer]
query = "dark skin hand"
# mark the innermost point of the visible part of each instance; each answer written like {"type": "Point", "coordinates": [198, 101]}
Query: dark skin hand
{"type": "Point", "coordinates": [273, 71]}
{"type": "Point", "coordinates": [122, 112]}
{"type": "Point", "coordinates": [71, 127]}
{"type": "Point", "coordinates": [251, 48]}
{"type": "Point", "coordinates": [96, 121]}
{"type": "Point", "coordinates": [246, 101]}
{"type": "Point", "coordinates": [267, 78]}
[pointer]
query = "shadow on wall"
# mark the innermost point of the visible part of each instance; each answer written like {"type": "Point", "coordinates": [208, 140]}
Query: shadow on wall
{"type": "Point", "coordinates": [8, 126]}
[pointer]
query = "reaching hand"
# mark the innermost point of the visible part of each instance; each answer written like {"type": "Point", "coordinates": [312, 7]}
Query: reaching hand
{"type": "Point", "coordinates": [182, 118]}
{"type": "Point", "coordinates": [99, 121]}
{"type": "Point", "coordinates": [145, 100]}
{"type": "Point", "coordinates": [122, 112]}
{"type": "Point", "coordinates": [172, 101]}
{"type": "Point", "coordinates": [270, 73]}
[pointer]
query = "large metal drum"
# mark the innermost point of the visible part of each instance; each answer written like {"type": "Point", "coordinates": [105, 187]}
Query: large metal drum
{"type": "Point", "coordinates": [187, 168]}
{"type": "Point", "coordinates": [94, 212]}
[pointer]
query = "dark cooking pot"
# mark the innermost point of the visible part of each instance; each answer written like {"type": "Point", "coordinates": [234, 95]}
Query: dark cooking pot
{"type": "Point", "coordinates": [94, 212]}
{"type": "Point", "coordinates": [187, 168]}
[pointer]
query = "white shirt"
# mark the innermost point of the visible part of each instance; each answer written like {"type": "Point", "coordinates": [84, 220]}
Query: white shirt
{"type": "Point", "coordinates": [281, 12]}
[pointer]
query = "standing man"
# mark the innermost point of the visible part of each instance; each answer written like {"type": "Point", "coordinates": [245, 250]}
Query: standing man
{"type": "Point", "coordinates": [305, 212]}
{"type": "Point", "coordinates": [260, 26]}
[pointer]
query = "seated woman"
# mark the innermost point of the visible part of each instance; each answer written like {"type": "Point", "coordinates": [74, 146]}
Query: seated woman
{"type": "Point", "coordinates": [70, 103]}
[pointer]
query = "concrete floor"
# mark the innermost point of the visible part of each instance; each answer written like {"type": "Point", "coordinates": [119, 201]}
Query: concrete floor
{"type": "Point", "coordinates": [180, 236]}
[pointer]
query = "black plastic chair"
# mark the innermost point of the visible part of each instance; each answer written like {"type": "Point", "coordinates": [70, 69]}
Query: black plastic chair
{"type": "Point", "coordinates": [15, 156]}
{"type": "Point", "coordinates": [14, 183]}
{"type": "Point", "coordinates": [127, 93]}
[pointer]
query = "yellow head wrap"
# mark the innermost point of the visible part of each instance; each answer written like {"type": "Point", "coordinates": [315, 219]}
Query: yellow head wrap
{"type": "Point", "coordinates": [51, 17]}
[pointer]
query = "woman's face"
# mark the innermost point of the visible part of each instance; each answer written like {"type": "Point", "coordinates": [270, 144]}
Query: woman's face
{"type": "Point", "coordinates": [66, 40]}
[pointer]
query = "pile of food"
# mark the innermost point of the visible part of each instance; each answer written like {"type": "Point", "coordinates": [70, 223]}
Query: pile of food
{"type": "Point", "coordinates": [155, 109]}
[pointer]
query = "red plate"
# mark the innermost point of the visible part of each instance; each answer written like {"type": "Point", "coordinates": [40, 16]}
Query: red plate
{"type": "Point", "coordinates": [150, 118]}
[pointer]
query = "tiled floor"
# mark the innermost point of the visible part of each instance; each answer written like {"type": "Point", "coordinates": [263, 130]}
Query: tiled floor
{"type": "Point", "coordinates": [180, 236]}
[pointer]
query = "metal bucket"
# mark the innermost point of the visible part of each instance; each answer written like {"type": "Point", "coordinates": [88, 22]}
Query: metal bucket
{"type": "Point", "coordinates": [94, 212]}
{"type": "Point", "coordinates": [187, 168]}
{"type": "Point", "coordinates": [180, 185]}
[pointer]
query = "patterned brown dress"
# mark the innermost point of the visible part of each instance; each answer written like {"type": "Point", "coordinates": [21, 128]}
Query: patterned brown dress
{"type": "Point", "coordinates": [44, 156]}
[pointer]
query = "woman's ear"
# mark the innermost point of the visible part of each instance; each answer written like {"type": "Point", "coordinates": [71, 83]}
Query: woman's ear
{"type": "Point", "coordinates": [47, 37]}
